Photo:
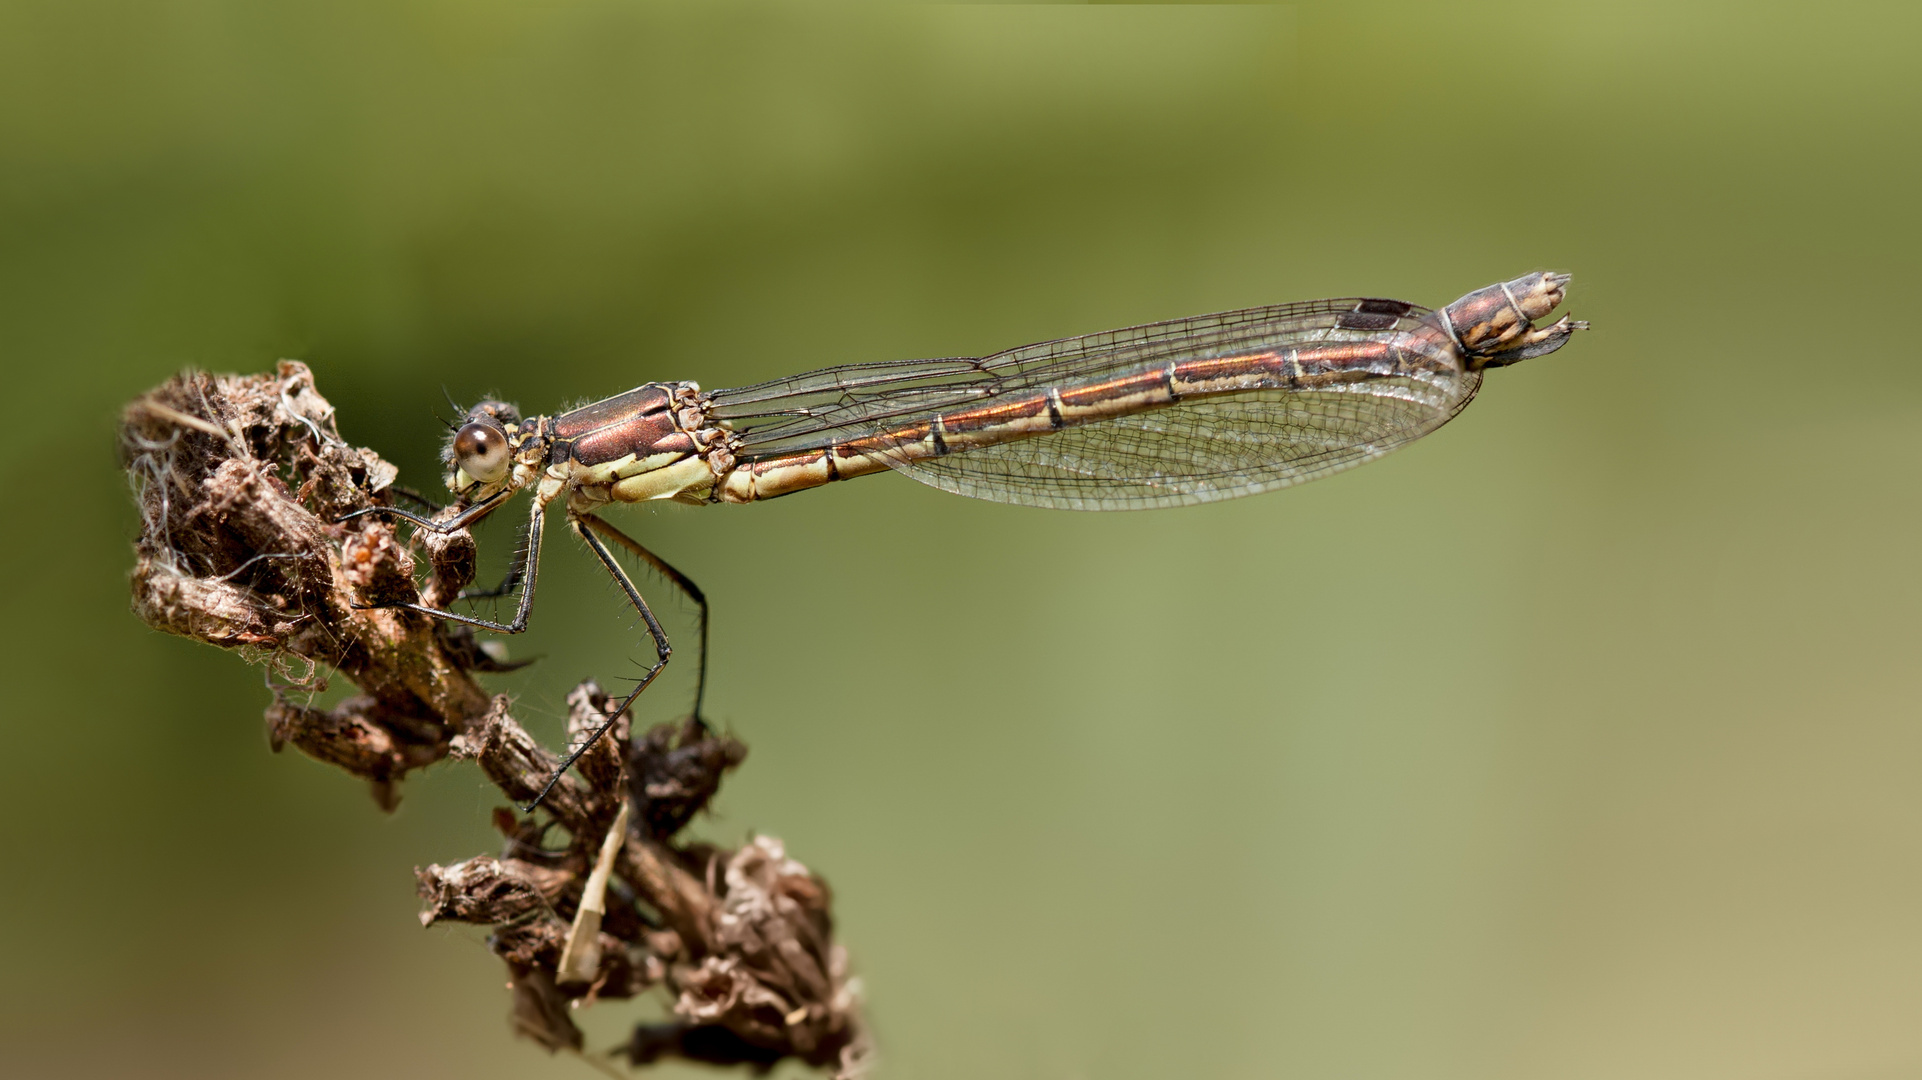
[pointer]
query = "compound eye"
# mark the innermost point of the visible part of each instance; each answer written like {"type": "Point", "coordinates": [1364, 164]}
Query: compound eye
{"type": "Point", "coordinates": [481, 451]}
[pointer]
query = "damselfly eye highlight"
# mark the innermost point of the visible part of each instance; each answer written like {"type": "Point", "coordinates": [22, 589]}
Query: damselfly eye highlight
{"type": "Point", "coordinates": [481, 451]}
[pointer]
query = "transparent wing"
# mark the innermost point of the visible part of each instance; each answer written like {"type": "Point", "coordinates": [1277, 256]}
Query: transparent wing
{"type": "Point", "coordinates": [1215, 448]}
{"type": "Point", "coordinates": [832, 405]}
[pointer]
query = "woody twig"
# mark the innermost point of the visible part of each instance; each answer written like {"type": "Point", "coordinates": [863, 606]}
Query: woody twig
{"type": "Point", "coordinates": [596, 896]}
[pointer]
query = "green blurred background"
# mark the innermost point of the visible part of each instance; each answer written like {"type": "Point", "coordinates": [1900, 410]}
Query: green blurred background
{"type": "Point", "coordinates": [1578, 740]}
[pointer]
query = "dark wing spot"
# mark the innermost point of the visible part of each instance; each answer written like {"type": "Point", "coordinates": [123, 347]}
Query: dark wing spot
{"type": "Point", "coordinates": [1396, 308]}
{"type": "Point", "coordinates": [1364, 320]}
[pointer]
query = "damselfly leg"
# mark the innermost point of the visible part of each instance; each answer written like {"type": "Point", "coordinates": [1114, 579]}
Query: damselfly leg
{"type": "Point", "coordinates": [530, 559]}
{"type": "Point", "coordinates": [585, 526]}
{"type": "Point", "coordinates": [416, 498]}
{"type": "Point", "coordinates": [514, 571]}
{"type": "Point", "coordinates": [680, 581]}
{"type": "Point", "coordinates": [524, 574]}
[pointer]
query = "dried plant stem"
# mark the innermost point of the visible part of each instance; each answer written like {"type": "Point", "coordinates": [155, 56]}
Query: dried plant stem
{"type": "Point", "coordinates": [239, 481]}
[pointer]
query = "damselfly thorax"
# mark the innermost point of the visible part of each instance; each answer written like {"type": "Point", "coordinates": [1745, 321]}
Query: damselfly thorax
{"type": "Point", "coordinates": [1170, 413]}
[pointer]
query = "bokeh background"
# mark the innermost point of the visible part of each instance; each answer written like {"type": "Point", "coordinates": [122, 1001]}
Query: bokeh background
{"type": "Point", "coordinates": [1579, 740]}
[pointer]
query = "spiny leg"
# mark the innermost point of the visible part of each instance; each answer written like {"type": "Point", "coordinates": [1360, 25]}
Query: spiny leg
{"type": "Point", "coordinates": [581, 524]}
{"type": "Point", "coordinates": [416, 498]}
{"type": "Point", "coordinates": [458, 521]}
{"type": "Point", "coordinates": [678, 580]}
{"type": "Point", "coordinates": [530, 561]}
{"type": "Point", "coordinates": [515, 571]}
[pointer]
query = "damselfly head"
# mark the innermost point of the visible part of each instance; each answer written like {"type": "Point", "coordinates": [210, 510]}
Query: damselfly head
{"type": "Point", "coordinates": [481, 450]}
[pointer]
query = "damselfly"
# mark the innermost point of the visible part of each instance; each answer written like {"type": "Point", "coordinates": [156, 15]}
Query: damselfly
{"type": "Point", "coordinates": [1166, 414]}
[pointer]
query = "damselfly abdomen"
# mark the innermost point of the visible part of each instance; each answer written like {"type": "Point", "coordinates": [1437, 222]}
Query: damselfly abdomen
{"type": "Point", "coordinates": [1187, 411]}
